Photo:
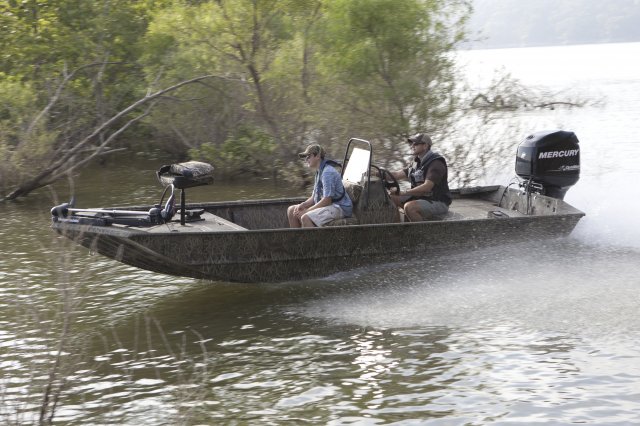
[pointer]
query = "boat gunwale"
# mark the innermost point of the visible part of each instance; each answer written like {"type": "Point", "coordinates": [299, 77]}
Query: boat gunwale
{"type": "Point", "coordinates": [480, 192]}
{"type": "Point", "coordinates": [134, 231]}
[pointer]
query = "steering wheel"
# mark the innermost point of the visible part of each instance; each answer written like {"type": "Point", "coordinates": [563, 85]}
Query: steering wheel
{"type": "Point", "coordinates": [390, 181]}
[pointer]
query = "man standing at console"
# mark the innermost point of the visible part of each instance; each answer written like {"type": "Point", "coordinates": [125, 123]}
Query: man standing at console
{"type": "Point", "coordinates": [429, 196]}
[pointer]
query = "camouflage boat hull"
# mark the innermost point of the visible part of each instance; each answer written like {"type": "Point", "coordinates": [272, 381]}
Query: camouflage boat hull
{"type": "Point", "coordinates": [250, 242]}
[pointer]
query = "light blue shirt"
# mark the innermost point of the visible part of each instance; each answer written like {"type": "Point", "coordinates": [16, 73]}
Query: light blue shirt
{"type": "Point", "coordinates": [330, 185]}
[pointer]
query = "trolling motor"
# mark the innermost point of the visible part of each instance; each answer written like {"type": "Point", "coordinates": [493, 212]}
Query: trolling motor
{"type": "Point", "coordinates": [549, 162]}
{"type": "Point", "coordinates": [175, 176]}
{"type": "Point", "coordinates": [157, 215]}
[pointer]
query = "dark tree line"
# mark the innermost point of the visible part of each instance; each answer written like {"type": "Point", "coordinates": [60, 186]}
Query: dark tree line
{"type": "Point", "coordinates": [76, 76]}
{"type": "Point", "coordinates": [242, 84]}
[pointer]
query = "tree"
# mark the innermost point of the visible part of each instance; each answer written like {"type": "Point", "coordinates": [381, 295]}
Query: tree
{"type": "Point", "coordinates": [320, 71]}
{"type": "Point", "coordinates": [289, 71]}
{"type": "Point", "coordinates": [22, 141]}
{"type": "Point", "coordinates": [65, 158]}
{"type": "Point", "coordinates": [74, 60]}
{"type": "Point", "coordinates": [391, 62]}
{"type": "Point", "coordinates": [250, 41]}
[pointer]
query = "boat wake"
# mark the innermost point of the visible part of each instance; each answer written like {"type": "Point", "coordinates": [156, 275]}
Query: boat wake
{"type": "Point", "coordinates": [558, 286]}
{"type": "Point", "coordinates": [611, 204]}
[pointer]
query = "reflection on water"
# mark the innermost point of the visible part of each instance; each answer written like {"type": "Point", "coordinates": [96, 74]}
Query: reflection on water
{"type": "Point", "coordinates": [543, 332]}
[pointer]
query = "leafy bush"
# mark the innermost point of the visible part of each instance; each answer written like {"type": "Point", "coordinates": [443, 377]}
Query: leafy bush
{"type": "Point", "coordinates": [22, 140]}
{"type": "Point", "coordinates": [251, 152]}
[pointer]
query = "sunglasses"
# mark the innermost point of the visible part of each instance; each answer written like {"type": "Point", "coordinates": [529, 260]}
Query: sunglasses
{"type": "Point", "coordinates": [306, 157]}
{"type": "Point", "coordinates": [416, 143]}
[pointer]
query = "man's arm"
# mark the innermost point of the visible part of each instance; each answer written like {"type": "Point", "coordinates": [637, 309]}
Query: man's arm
{"type": "Point", "coordinates": [301, 208]}
{"type": "Point", "coordinates": [435, 173]}
{"type": "Point", "coordinates": [399, 174]}
{"type": "Point", "coordinates": [420, 190]}
{"type": "Point", "coordinates": [307, 203]}
{"type": "Point", "coordinates": [324, 202]}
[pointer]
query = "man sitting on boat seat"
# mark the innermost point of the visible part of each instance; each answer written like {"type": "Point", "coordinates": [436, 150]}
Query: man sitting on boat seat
{"type": "Point", "coordinates": [329, 199]}
{"type": "Point", "coordinates": [429, 196]}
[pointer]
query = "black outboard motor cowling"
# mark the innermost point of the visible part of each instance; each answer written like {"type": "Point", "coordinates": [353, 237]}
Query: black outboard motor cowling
{"type": "Point", "coordinates": [550, 160]}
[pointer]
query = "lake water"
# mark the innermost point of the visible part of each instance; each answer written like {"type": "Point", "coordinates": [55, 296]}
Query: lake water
{"type": "Point", "coordinates": [536, 333]}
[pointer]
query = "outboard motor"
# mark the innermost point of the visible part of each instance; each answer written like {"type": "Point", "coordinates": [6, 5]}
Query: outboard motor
{"type": "Point", "coordinates": [549, 162]}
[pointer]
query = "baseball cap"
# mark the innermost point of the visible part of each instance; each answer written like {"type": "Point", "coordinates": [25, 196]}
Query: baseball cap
{"type": "Point", "coordinates": [312, 149]}
{"type": "Point", "coordinates": [419, 138]}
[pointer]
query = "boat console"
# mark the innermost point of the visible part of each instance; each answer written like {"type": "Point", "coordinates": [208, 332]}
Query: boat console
{"type": "Point", "coordinates": [366, 186]}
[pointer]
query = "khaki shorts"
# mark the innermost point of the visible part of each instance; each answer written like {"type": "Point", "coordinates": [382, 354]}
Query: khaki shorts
{"type": "Point", "coordinates": [432, 209]}
{"type": "Point", "coordinates": [324, 215]}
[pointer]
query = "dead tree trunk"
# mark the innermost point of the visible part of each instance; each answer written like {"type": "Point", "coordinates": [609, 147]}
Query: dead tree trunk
{"type": "Point", "coordinates": [80, 153]}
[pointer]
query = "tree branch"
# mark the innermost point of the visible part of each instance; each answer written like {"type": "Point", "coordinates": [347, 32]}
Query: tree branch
{"type": "Point", "coordinates": [66, 162]}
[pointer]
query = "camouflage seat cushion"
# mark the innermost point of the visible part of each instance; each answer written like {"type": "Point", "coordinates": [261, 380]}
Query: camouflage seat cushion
{"type": "Point", "coordinates": [353, 190]}
{"type": "Point", "coordinates": [370, 205]}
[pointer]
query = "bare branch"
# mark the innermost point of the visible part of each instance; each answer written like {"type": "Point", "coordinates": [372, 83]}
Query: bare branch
{"type": "Point", "coordinates": [67, 161]}
{"type": "Point", "coordinates": [58, 92]}
{"type": "Point", "coordinates": [98, 151]}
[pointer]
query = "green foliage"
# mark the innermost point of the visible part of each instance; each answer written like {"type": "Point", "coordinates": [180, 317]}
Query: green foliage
{"type": "Point", "coordinates": [43, 43]}
{"type": "Point", "coordinates": [312, 70]}
{"type": "Point", "coordinates": [387, 67]}
{"type": "Point", "coordinates": [292, 71]}
{"type": "Point", "coordinates": [17, 101]}
{"type": "Point", "coordinates": [22, 143]}
{"type": "Point", "coordinates": [247, 154]}
{"type": "Point", "coordinates": [48, 39]}
{"type": "Point", "coordinates": [44, 35]}
{"type": "Point", "coordinates": [363, 37]}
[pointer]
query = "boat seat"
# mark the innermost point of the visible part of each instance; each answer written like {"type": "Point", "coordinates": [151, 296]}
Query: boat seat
{"type": "Point", "coordinates": [371, 204]}
{"type": "Point", "coordinates": [353, 191]}
{"type": "Point", "coordinates": [451, 215]}
{"type": "Point", "coordinates": [343, 222]}
{"type": "Point", "coordinates": [182, 176]}
{"type": "Point", "coordinates": [186, 175]}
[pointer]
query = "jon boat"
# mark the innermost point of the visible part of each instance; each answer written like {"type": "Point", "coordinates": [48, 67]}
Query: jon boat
{"type": "Point", "coordinates": [250, 241]}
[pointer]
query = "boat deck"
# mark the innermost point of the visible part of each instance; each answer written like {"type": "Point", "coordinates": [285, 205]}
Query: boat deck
{"type": "Point", "coordinates": [466, 209]}
{"type": "Point", "coordinates": [461, 209]}
{"type": "Point", "coordinates": [209, 223]}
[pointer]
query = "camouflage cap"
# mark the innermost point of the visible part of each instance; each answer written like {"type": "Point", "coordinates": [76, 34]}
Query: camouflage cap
{"type": "Point", "coordinates": [314, 149]}
{"type": "Point", "coordinates": [420, 138]}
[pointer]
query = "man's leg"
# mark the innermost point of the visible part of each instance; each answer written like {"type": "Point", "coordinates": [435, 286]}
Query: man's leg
{"type": "Point", "coordinates": [294, 222]}
{"type": "Point", "coordinates": [321, 216]}
{"type": "Point", "coordinates": [418, 210]}
{"type": "Point", "coordinates": [307, 222]}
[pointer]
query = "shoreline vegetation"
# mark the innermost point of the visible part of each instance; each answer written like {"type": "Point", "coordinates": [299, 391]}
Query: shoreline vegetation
{"type": "Point", "coordinates": [188, 79]}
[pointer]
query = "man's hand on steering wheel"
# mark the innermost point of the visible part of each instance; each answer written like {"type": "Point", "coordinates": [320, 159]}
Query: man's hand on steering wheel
{"type": "Point", "coordinates": [390, 181]}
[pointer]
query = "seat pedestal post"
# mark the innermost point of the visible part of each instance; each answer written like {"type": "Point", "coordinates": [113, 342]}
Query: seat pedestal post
{"type": "Point", "coordinates": [183, 204]}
